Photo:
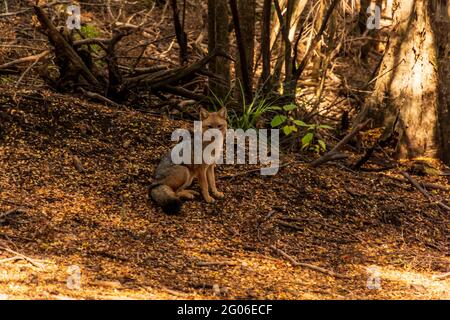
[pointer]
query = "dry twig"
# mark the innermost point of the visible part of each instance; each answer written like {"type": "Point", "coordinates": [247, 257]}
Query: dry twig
{"type": "Point", "coordinates": [423, 191]}
{"type": "Point", "coordinates": [331, 155]}
{"type": "Point", "coordinates": [307, 265]}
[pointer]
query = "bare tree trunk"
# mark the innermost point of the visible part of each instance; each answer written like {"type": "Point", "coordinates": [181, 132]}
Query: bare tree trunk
{"type": "Point", "coordinates": [276, 24]}
{"type": "Point", "coordinates": [243, 65]}
{"type": "Point", "coordinates": [265, 45]}
{"type": "Point", "coordinates": [405, 98]}
{"type": "Point", "coordinates": [179, 31]}
{"type": "Point", "coordinates": [287, 85]}
{"type": "Point", "coordinates": [218, 38]}
{"type": "Point", "coordinates": [293, 10]}
{"type": "Point", "coordinates": [309, 52]}
{"type": "Point", "coordinates": [246, 10]}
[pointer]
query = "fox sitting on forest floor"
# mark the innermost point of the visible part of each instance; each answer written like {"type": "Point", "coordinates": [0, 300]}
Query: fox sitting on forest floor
{"type": "Point", "coordinates": [171, 180]}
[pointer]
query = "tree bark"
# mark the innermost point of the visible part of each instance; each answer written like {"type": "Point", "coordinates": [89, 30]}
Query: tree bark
{"type": "Point", "coordinates": [265, 45]}
{"type": "Point", "coordinates": [441, 25]}
{"type": "Point", "coordinates": [293, 10]}
{"type": "Point", "coordinates": [243, 65]}
{"type": "Point", "coordinates": [405, 97]}
{"type": "Point", "coordinates": [246, 11]}
{"type": "Point", "coordinates": [218, 37]}
{"type": "Point", "coordinates": [179, 31]}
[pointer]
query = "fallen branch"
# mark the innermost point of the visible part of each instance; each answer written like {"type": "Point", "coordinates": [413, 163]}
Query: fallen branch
{"type": "Point", "coordinates": [441, 276]}
{"type": "Point", "coordinates": [4, 215]}
{"type": "Point", "coordinates": [175, 293]}
{"type": "Point", "coordinates": [179, 91]}
{"type": "Point", "coordinates": [331, 155]}
{"type": "Point", "coordinates": [29, 68]}
{"type": "Point", "coordinates": [97, 96]}
{"type": "Point", "coordinates": [385, 139]}
{"type": "Point", "coordinates": [21, 256]}
{"type": "Point", "coordinates": [307, 265]}
{"type": "Point", "coordinates": [423, 191]}
{"type": "Point", "coordinates": [8, 14]}
{"type": "Point", "coordinates": [88, 41]}
{"type": "Point", "coordinates": [33, 58]}
{"type": "Point", "coordinates": [289, 225]}
{"type": "Point", "coordinates": [184, 72]}
{"type": "Point", "coordinates": [423, 184]}
{"type": "Point", "coordinates": [169, 77]}
{"type": "Point", "coordinates": [10, 259]}
{"type": "Point", "coordinates": [140, 71]}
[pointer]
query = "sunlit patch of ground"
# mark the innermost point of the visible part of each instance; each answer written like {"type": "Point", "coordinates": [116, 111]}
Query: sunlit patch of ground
{"type": "Point", "coordinates": [425, 285]}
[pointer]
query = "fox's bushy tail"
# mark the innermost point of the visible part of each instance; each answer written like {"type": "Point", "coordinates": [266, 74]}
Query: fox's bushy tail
{"type": "Point", "coordinates": [164, 196]}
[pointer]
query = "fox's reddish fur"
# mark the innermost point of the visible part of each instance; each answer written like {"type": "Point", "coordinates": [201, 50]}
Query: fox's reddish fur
{"type": "Point", "coordinates": [172, 180]}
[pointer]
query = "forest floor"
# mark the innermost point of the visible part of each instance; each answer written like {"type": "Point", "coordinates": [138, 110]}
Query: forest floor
{"type": "Point", "coordinates": [73, 194]}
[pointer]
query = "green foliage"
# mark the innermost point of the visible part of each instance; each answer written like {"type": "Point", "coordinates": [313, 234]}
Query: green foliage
{"type": "Point", "coordinates": [90, 31]}
{"type": "Point", "coordinates": [5, 80]}
{"type": "Point", "coordinates": [251, 112]}
{"type": "Point", "coordinates": [289, 125]}
{"type": "Point", "coordinates": [218, 102]}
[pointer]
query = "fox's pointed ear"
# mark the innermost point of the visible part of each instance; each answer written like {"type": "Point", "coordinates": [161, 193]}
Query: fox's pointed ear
{"type": "Point", "coordinates": [222, 112]}
{"type": "Point", "coordinates": [203, 113]}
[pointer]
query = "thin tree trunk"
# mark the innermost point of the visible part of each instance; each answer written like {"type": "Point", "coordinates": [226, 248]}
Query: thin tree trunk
{"type": "Point", "coordinates": [306, 58]}
{"type": "Point", "coordinates": [246, 11]}
{"type": "Point", "coordinates": [276, 24]}
{"type": "Point", "coordinates": [243, 64]}
{"type": "Point", "coordinates": [293, 10]}
{"type": "Point", "coordinates": [265, 45]}
{"type": "Point", "coordinates": [179, 31]}
{"type": "Point", "coordinates": [288, 51]}
{"type": "Point", "coordinates": [218, 38]}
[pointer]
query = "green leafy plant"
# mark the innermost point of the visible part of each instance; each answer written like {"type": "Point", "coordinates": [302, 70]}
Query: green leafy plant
{"type": "Point", "coordinates": [251, 112]}
{"type": "Point", "coordinates": [90, 31]}
{"type": "Point", "coordinates": [219, 102]}
{"type": "Point", "coordinates": [290, 125]}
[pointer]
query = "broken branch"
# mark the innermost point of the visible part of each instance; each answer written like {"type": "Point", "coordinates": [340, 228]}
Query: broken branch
{"type": "Point", "coordinates": [307, 265]}
{"type": "Point", "coordinates": [331, 155]}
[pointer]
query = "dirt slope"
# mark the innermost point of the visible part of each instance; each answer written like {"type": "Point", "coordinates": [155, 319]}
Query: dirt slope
{"type": "Point", "coordinates": [98, 217]}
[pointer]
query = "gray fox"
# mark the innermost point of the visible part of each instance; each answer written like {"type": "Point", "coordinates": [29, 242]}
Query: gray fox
{"type": "Point", "coordinates": [172, 180]}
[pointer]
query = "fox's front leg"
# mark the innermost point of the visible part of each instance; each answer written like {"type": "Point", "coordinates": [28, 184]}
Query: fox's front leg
{"type": "Point", "coordinates": [203, 181]}
{"type": "Point", "coordinates": [212, 182]}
